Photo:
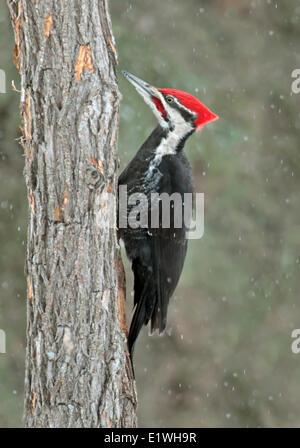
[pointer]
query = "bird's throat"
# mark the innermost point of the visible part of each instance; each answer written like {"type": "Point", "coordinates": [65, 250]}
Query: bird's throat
{"type": "Point", "coordinates": [171, 142]}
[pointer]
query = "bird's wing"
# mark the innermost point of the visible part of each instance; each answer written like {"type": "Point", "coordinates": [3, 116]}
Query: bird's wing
{"type": "Point", "coordinates": [157, 256]}
{"type": "Point", "coordinates": [170, 254]}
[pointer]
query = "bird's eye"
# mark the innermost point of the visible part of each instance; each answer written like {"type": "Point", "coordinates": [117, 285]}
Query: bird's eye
{"type": "Point", "coordinates": [170, 99]}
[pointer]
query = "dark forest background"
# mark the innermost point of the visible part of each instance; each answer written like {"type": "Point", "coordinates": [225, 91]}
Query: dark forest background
{"type": "Point", "coordinates": [226, 358]}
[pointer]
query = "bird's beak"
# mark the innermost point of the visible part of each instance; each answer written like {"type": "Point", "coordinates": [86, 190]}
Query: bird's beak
{"type": "Point", "coordinates": [143, 88]}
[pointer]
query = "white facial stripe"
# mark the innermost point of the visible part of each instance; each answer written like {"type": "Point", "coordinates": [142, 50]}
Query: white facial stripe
{"type": "Point", "coordinates": [181, 127]}
{"type": "Point", "coordinates": [169, 144]}
{"type": "Point", "coordinates": [176, 100]}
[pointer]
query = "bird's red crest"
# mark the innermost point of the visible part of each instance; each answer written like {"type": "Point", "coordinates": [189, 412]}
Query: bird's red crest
{"type": "Point", "coordinates": [204, 115]}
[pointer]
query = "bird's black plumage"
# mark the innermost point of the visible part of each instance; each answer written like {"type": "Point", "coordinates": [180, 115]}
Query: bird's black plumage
{"type": "Point", "coordinates": [157, 254]}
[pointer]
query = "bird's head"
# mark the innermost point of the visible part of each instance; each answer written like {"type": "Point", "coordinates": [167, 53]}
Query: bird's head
{"type": "Point", "coordinates": [173, 108]}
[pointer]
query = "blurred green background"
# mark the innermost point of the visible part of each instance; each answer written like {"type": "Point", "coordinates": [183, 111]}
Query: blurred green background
{"type": "Point", "coordinates": [226, 358]}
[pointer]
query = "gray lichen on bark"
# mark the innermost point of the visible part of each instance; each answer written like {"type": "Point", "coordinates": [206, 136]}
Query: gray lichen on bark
{"type": "Point", "coordinates": [78, 372]}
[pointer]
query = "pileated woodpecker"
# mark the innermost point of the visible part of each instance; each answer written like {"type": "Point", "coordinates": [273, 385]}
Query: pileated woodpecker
{"type": "Point", "coordinates": [160, 166]}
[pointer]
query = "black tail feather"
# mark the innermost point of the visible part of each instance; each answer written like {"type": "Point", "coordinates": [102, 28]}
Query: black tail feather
{"type": "Point", "coordinates": [139, 319]}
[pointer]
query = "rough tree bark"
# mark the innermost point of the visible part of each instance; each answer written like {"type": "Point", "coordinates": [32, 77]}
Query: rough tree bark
{"type": "Point", "coordinates": [77, 367]}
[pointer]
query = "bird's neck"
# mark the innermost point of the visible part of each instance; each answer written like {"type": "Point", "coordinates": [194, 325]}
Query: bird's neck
{"type": "Point", "coordinates": [171, 140]}
{"type": "Point", "coordinates": [165, 142]}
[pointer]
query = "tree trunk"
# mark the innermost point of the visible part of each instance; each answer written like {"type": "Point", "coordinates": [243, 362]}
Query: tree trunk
{"type": "Point", "coordinates": [78, 372]}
